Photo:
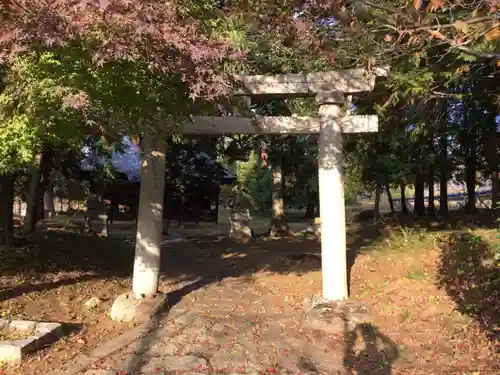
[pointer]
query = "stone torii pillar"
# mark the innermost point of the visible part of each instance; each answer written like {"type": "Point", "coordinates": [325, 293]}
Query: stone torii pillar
{"type": "Point", "coordinates": [331, 196]}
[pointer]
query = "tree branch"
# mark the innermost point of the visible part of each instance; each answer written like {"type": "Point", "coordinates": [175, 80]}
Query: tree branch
{"type": "Point", "coordinates": [468, 51]}
{"type": "Point", "coordinates": [380, 7]}
{"type": "Point", "coordinates": [471, 21]}
{"type": "Point", "coordinates": [412, 27]}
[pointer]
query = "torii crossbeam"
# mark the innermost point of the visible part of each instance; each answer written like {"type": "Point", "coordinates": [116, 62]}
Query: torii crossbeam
{"type": "Point", "coordinates": [273, 125]}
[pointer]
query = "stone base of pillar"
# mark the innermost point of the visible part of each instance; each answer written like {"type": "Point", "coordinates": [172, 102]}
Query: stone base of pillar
{"type": "Point", "coordinates": [336, 316]}
{"type": "Point", "coordinates": [127, 308]}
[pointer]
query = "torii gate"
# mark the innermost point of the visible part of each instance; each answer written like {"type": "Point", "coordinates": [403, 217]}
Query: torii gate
{"type": "Point", "coordinates": [329, 89]}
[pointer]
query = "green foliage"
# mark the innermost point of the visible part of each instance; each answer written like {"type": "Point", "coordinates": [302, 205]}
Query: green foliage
{"type": "Point", "coordinates": [61, 97]}
{"type": "Point", "coordinates": [254, 182]}
{"type": "Point", "coordinates": [36, 106]}
{"type": "Point", "coordinates": [38, 87]}
{"type": "Point", "coordinates": [18, 142]}
{"type": "Point", "coordinates": [354, 188]}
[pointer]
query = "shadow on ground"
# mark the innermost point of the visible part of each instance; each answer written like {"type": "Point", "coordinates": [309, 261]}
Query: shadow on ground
{"type": "Point", "coordinates": [469, 271]}
{"type": "Point", "coordinates": [51, 259]}
{"type": "Point", "coordinates": [57, 257]}
{"type": "Point", "coordinates": [465, 271]}
{"type": "Point", "coordinates": [469, 268]}
{"type": "Point", "coordinates": [375, 355]}
{"type": "Point", "coordinates": [13, 291]}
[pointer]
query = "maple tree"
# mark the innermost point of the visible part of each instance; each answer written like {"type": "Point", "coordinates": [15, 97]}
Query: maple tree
{"type": "Point", "coordinates": [458, 24]}
{"type": "Point", "coordinates": [189, 39]}
{"type": "Point", "coordinates": [163, 36]}
{"type": "Point", "coordinates": [365, 32]}
{"type": "Point", "coordinates": [387, 30]}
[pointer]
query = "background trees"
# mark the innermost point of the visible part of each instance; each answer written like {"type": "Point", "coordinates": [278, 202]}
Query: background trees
{"type": "Point", "coordinates": [135, 67]}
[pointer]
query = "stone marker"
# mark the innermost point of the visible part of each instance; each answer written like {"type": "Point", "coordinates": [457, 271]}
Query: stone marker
{"type": "Point", "coordinates": [317, 227]}
{"type": "Point", "coordinates": [240, 221]}
{"type": "Point", "coordinates": [96, 217]}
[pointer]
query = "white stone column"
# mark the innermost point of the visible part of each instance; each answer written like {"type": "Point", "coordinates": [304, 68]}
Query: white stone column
{"type": "Point", "coordinates": [331, 196]}
{"type": "Point", "coordinates": [150, 217]}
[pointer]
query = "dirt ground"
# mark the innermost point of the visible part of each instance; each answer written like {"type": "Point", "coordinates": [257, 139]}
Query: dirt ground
{"type": "Point", "coordinates": [432, 287]}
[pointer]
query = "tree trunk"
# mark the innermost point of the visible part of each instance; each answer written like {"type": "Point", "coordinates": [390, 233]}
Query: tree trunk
{"type": "Point", "coordinates": [31, 201]}
{"type": "Point", "coordinates": [443, 175]}
{"type": "Point", "coordinates": [389, 198]}
{"type": "Point", "coordinates": [404, 207]}
{"type": "Point", "coordinates": [376, 207]}
{"type": "Point", "coordinates": [470, 175]}
{"type": "Point", "coordinates": [431, 207]}
{"type": "Point", "coordinates": [6, 211]}
{"type": "Point", "coordinates": [495, 190]}
{"type": "Point", "coordinates": [182, 206]}
{"type": "Point", "coordinates": [490, 145]}
{"type": "Point", "coordinates": [310, 204]}
{"type": "Point", "coordinates": [48, 202]}
{"type": "Point", "coordinates": [150, 218]}
{"type": "Point", "coordinates": [40, 177]}
{"type": "Point", "coordinates": [318, 205]}
{"type": "Point", "coordinates": [279, 225]}
{"type": "Point", "coordinates": [419, 208]}
{"type": "Point", "coordinates": [310, 209]}
{"type": "Point", "coordinates": [45, 168]}
{"type": "Point", "coordinates": [217, 205]}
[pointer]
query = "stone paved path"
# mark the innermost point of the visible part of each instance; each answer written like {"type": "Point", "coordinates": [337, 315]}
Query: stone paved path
{"type": "Point", "coordinates": [225, 343]}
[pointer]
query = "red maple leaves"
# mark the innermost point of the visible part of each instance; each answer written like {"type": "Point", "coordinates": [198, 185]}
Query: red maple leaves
{"type": "Point", "coordinates": [432, 5]}
{"type": "Point", "coordinates": [157, 34]}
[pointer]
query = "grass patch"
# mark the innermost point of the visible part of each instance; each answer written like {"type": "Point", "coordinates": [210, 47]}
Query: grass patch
{"type": "Point", "coordinates": [406, 315]}
{"type": "Point", "coordinates": [399, 239]}
{"type": "Point", "coordinates": [416, 275]}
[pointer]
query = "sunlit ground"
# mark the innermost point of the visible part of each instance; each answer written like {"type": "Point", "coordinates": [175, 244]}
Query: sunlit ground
{"type": "Point", "coordinates": [432, 286]}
